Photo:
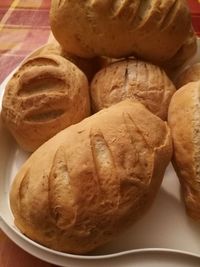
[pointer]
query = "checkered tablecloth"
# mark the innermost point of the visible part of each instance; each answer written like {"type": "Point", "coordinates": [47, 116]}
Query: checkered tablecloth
{"type": "Point", "coordinates": [24, 26]}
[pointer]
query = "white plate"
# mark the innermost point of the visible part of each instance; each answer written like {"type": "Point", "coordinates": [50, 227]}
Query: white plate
{"type": "Point", "coordinates": [165, 236]}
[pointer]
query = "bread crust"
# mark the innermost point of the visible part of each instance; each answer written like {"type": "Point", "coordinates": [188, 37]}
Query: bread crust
{"type": "Point", "coordinates": [185, 53]}
{"type": "Point", "coordinates": [44, 96]}
{"type": "Point", "coordinates": [89, 66]}
{"type": "Point", "coordinates": [190, 74]}
{"type": "Point", "coordinates": [92, 180]}
{"type": "Point", "coordinates": [184, 122]}
{"type": "Point", "coordinates": [132, 79]}
{"type": "Point", "coordinates": [152, 30]}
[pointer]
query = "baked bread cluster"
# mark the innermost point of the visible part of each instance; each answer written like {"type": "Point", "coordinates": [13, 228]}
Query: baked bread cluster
{"type": "Point", "coordinates": [93, 179]}
{"type": "Point", "coordinates": [92, 176]}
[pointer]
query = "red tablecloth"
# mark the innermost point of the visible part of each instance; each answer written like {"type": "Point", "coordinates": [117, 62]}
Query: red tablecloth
{"type": "Point", "coordinates": [24, 26]}
{"type": "Point", "coordinates": [195, 11]}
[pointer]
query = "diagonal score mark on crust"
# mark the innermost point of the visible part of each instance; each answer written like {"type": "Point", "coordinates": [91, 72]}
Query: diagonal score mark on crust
{"type": "Point", "coordinates": [38, 85]}
{"type": "Point", "coordinates": [38, 61]}
{"type": "Point", "coordinates": [60, 3]}
{"type": "Point", "coordinates": [41, 116]}
{"type": "Point", "coordinates": [142, 161]}
{"type": "Point", "coordinates": [144, 11]}
{"type": "Point", "coordinates": [127, 7]}
{"type": "Point", "coordinates": [61, 198]}
{"type": "Point", "coordinates": [164, 140]}
{"type": "Point", "coordinates": [105, 169]}
{"type": "Point", "coordinates": [139, 131]}
{"type": "Point", "coordinates": [170, 14]}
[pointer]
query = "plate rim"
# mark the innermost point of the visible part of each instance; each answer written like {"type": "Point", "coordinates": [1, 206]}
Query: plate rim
{"type": "Point", "coordinates": [85, 258]}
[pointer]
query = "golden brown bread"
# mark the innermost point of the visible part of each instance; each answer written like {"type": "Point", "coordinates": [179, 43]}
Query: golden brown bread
{"type": "Point", "coordinates": [186, 52]}
{"type": "Point", "coordinates": [132, 79]}
{"type": "Point", "coordinates": [191, 74]}
{"type": "Point", "coordinates": [92, 180]}
{"type": "Point", "coordinates": [174, 64]}
{"type": "Point", "coordinates": [152, 30]}
{"type": "Point", "coordinates": [45, 95]}
{"type": "Point", "coordinates": [184, 121]}
{"type": "Point", "coordinates": [88, 66]}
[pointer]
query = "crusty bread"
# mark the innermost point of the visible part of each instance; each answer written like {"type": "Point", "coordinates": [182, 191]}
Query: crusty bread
{"type": "Point", "coordinates": [184, 121]}
{"type": "Point", "coordinates": [45, 95]}
{"type": "Point", "coordinates": [185, 53]}
{"type": "Point", "coordinates": [174, 64]}
{"type": "Point", "coordinates": [135, 80]}
{"type": "Point", "coordinates": [191, 74]}
{"type": "Point", "coordinates": [152, 30]}
{"type": "Point", "coordinates": [88, 66]}
{"type": "Point", "coordinates": [50, 48]}
{"type": "Point", "coordinates": [92, 180]}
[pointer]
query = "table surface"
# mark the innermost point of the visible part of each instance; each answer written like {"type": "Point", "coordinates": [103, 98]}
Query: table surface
{"type": "Point", "coordinates": [24, 26]}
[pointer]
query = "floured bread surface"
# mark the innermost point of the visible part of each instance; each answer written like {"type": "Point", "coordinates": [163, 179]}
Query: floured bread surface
{"type": "Point", "coordinates": [184, 121]}
{"type": "Point", "coordinates": [191, 74]}
{"type": "Point", "coordinates": [46, 95]}
{"type": "Point", "coordinates": [92, 180]}
{"type": "Point", "coordinates": [132, 79]}
{"type": "Point", "coordinates": [152, 30]}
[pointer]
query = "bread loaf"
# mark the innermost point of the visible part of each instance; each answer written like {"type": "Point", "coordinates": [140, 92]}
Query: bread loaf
{"type": "Point", "coordinates": [45, 95]}
{"type": "Point", "coordinates": [190, 74]}
{"type": "Point", "coordinates": [88, 66]}
{"type": "Point", "coordinates": [152, 30]}
{"type": "Point", "coordinates": [132, 79]}
{"type": "Point", "coordinates": [92, 180]}
{"type": "Point", "coordinates": [184, 121]}
{"type": "Point", "coordinates": [185, 53]}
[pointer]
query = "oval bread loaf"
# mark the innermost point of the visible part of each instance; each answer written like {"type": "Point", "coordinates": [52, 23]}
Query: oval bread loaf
{"type": "Point", "coordinates": [45, 95]}
{"type": "Point", "coordinates": [152, 30]}
{"type": "Point", "coordinates": [92, 180]}
{"type": "Point", "coordinates": [132, 79]}
{"type": "Point", "coordinates": [184, 121]}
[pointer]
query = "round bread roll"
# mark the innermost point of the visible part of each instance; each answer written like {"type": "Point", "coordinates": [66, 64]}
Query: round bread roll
{"type": "Point", "coordinates": [92, 180]}
{"type": "Point", "coordinates": [45, 95]}
{"type": "Point", "coordinates": [88, 66]}
{"type": "Point", "coordinates": [135, 80]}
{"type": "Point", "coordinates": [184, 121]}
{"type": "Point", "coordinates": [191, 74]}
{"type": "Point", "coordinates": [152, 30]}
